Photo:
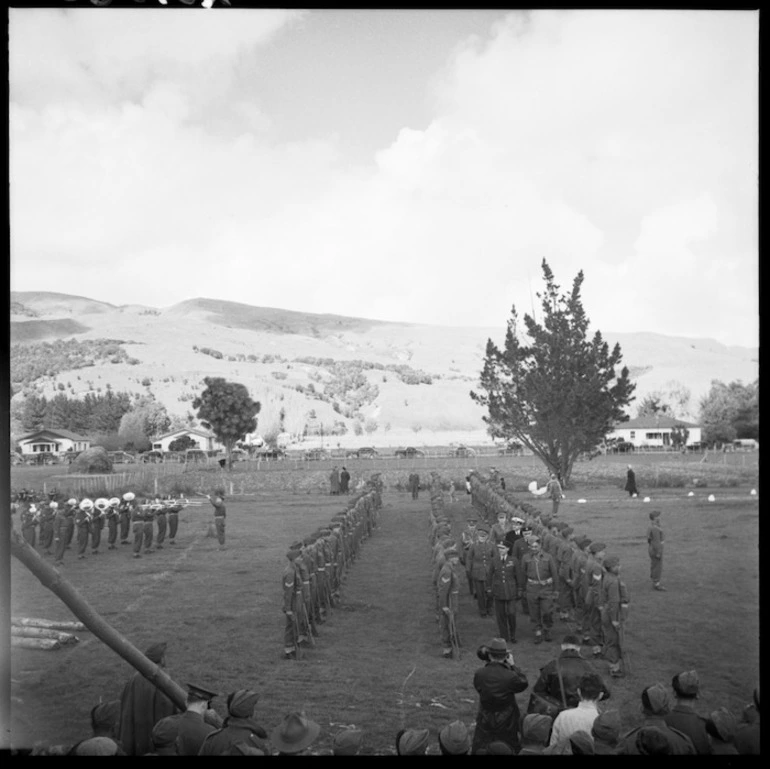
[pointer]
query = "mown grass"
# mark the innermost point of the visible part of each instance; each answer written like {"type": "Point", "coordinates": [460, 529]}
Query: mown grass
{"type": "Point", "coordinates": [377, 664]}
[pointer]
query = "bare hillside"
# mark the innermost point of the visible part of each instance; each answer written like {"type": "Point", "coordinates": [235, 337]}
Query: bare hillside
{"type": "Point", "coordinates": [405, 383]}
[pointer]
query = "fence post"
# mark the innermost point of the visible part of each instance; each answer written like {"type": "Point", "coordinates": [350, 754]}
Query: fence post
{"type": "Point", "coordinates": [155, 485]}
{"type": "Point", "coordinates": [231, 488]}
{"type": "Point", "coordinates": [45, 489]}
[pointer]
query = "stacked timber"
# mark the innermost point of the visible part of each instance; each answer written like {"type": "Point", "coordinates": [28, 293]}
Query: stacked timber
{"type": "Point", "coordinates": [33, 633]}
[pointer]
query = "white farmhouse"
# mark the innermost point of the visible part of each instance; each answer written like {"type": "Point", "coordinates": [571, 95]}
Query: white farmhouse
{"type": "Point", "coordinates": [56, 442]}
{"type": "Point", "coordinates": [654, 432]}
{"type": "Point", "coordinates": [204, 439]}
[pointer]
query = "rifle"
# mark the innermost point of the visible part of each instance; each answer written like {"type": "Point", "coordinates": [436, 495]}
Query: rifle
{"type": "Point", "coordinates": [310, 638]}
{"type": "Point", "coordinates": [295, 631]}
{"type": "Point", "coordinates": [453, 637]}
{"type": "Point", "coordinates": [624, 653]}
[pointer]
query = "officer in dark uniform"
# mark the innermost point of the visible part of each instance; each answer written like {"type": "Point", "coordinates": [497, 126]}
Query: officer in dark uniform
{"type": "Point", "coordinates": [192, 729]}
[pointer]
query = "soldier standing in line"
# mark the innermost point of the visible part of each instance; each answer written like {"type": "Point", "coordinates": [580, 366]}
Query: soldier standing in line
{"type": "Point", "coordinates": [137, 526]}
{"type": "Point", "coordinates": [655, 540]}
{"type": "Point", "coordinates": [148, 530]}
{"type": "Point", "coordinates": [592, 619]}
{"type": "Point", "coordinates": [101, 506]}
{"type": "Point", "coordinates": [46, 526]}
{"type": "Point", "coordinates": [173, 519]}
{"type": "Point", "coordinates": [480, 556]}
{"type": "Point", "coordinates": [83, 524]}
{"type": "Point", "coordinates": [564, 559]}
{"type": "Point", "coordinates": [577, 574]}
{"type": "Point", "coordinates": [29, 519]}
{"type": "Point", "coordinates": [500, 528]}
{"type": "Point", "coordinates": [613, 605]}
{"type": "Point", "coordinates": [539, 573]}
{"type": "Point", "coordinates": [63, 524]}
{"type": "Point", "coordinates": [448, 600]}
{"type": "Point", "coordinates": [505, 591]}
{"type": "Point", "coordinates": [294, 630]}
{"type": "Point", "coordinates": [159, 508]}
{"type": "Point", "coordinates": [111, 516]}
{"type": "Point", "coordinates": [125, 516]}
{"type": "Point", "coordinates": [306, 622]}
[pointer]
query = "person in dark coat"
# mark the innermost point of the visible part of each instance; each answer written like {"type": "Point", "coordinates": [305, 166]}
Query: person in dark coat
{"type": "Point", "coordinates": [497, 683]}
{"type": "Point", "coordinates": [630, 486]}
{"type": "Point", "coordinates": [334, 481]}
{"type": "Point", "coordinates": [414, 485]}
{"type": "Point", "coordinates": [344, 481]}
{"type": "Point", "coordinates": [142, 705]}
{"type": "Point", "coordinates": [572, 667]}
{"type": "Point", "coordinates": [686, 688]}
{"type": "Point", "coordinates": [192, 729]}
{"type": "Point", "coordinates": [748, 730]}
{"type": "Point", "coordinates": [239, 727]}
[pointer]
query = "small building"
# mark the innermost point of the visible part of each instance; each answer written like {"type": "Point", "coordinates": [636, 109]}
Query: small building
{"type": "Point", "coordinates": [56, 442]}
{"type": "Point", "coordinates": [204, 439]}
{"type": "Point", "coordinates": [654, 432]}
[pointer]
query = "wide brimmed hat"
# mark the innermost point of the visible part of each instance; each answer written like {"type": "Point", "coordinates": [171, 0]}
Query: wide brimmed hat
{"type": "Point", "coordinates": [294, 733]}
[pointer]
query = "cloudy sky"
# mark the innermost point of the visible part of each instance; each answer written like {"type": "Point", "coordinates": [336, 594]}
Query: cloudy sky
{"type": "Point", "coordinates": [401, 165]}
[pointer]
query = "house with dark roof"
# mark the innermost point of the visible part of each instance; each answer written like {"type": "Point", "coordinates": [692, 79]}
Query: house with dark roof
{"type": "Point", "coordinates": [56, 442]}
{"type": "Point", "coordinates": [654, 432]}
{"type": "Point", "coordinates": [204, 439]}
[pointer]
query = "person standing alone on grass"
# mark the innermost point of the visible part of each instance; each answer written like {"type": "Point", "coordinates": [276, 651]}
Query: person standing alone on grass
{"type": "Point", "coordinates": [553, 489]}
{"type": "Point", "coordinates": [631, 483]}
{"type": "Point", "coordinates": [414, 485]}
{"type": "Point", "coordinates": [220, 512]}
{"type": "Point", "coordinates": [655, 541]}
{"type": "Point", "coordinates": [334, 481]}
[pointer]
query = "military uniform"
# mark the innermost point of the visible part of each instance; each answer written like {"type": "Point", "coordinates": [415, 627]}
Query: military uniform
{"type": "Point", "coordinates": [46, 526]}
{"type": "Point", "coordinates": [29, 520]}
{"type": "Point", "coordinates": [124, 513]}
{"type": "Point", "coordinates": [83, 525]}
{"type": "Point", "coordinates": [505, 590]}
{"type": "Point", "coordinates": [137, 526]}
{"type": "Point", "coordinates": [592, 620]}
{"type": "Point", "coordinates": [655, 541]}
{"type": "Point", "coordinates": [63, 524]}
{"type": "Point", "coordinates": [539, 573]}
{"type": "Point", "coordinates": [480, 557]}
{"type": "Point", "coordinates": [293, 634]}
{"type": "Point", "coordinates": [448, 589]}
{"type": "Point", "coordinates": [173, 520]}
{"type": "Point", "coordinates": [111, 518]}
{"type": "Point", "coordinates": [613, 608]}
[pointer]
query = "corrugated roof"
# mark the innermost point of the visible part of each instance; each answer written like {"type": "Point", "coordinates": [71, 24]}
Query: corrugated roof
{"type": "Point", "coordinates": [60, 433]}
{"type": "Point", "coordinates": [642, 423]}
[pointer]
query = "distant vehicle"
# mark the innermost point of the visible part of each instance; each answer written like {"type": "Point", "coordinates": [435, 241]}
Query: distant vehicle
{"type": "Point", "coordinates": [410, 451]}
{"type": "Point", "coordinates": [269, 452]}
{"type": "Point", "coordinates": [624, 447]}
{"type": "Point", "coordinates": [239, 455]}
{"type": "Point", "coordinates": [43, 458]}
{"type": "Point", "coordinates": [315, 454]}
{"type": "Point", "coordinates": [121, 457]}
{"type": "Point", "coordinates": [514, 448]}
{"type": "Point", "coordinates": [196, 455]}
{"type": "Point", "coordinates": [366, 452]}
{"type": "Point", "coordinates": [464, 451]}
{"type": "Point", "coordinates": [745, 444]}
{"type": "Point", "coordinates": [151, 456]}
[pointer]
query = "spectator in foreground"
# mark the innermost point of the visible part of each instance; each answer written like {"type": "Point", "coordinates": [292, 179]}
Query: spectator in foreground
{"type": "Point", "coordinates": [747, 733]}
{"type": "Point", "coordinates": [497, 683]}
{"type": "Point", "coordinates": [686, 688]}
{"type": "Point", "coordinates": [294, 735]}
{"type": "Point", "coordinates": [142, 705]}
{"type": "Point", "coordinates": [412, 742]}
{"type": "Point", "coordinates": [192, 727]}
{"type": "Point", "coordinates": [535, 734]}
{"type": "Point", "coordinates": [164, 735]}
{"type": "Point", "coordinates": [581, 718]}
{"type": "Point", "coordinates": [606, 733]}
{"type": "Point", "coordinates": [572, 667]}
{"type": "Point", "coordinates": [347, 742]}
{"type": "Point", "coordinates": [656, 705]}
{"type": "Point", "coordinates": [454, 740]}
{"type": "Point", "coordinates": [104, 721]}
{"type": "Point", "coordinates": [239, 727]}
{"type": "Point", "coordinates": [721, 726]}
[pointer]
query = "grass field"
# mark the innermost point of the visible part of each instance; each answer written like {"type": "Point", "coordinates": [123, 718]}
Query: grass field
{"type": "Point", "coordinates": [377, 663]}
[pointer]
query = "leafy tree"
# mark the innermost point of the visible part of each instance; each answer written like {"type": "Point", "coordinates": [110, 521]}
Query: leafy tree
{"type": "Point", "coordinates": [672, 401]}
{"type": "Point", "coordinates": [35, 413]}
{"type": "Point", "coordinates": [560, 394]}
{"type": "Point", "coordinates": [730, 411]}
{"type": "Point", "coordinates": [226, 408]}
{"type": "Point", "coordinates": [679, 436]}
{"type": "Point", "coordinates": [182, 443]}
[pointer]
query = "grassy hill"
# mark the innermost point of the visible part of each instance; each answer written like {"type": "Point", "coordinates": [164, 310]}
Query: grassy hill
{"type": "Point", "coordinates": [292, 361]}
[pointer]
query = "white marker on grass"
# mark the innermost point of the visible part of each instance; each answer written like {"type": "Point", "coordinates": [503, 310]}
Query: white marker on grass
{"type": "Point", "coordinates": [691, 494]}
{"type": "Point", "coordinates": [711, 498]}
{"type": "Point", "coordinates": [753, 492]}
{"type": "Point", "coordinates": [581, 501]}
{"type": "Point", "coordinates": [646, 499]}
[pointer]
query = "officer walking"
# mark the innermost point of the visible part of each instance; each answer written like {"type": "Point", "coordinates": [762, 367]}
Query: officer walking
{"type": "Point", "coordinates": [539, 573]}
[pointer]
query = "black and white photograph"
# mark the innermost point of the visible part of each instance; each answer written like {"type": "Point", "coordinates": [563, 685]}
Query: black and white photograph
{"type": "Point", "coordinates": [382, 381]}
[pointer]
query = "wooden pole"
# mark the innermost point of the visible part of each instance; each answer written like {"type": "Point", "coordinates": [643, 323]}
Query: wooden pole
{"type": "Point", "coordinates": [52, 579]}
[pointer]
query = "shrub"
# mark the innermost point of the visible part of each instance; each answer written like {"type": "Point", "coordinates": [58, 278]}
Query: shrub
{"type": "Point", "coordinates": [94, 460]}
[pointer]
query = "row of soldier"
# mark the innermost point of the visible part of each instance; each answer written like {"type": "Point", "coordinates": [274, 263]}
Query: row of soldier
{"type": "Point", "coordinates": [316, 568]}
{"type": "Point", "coordinates": [533, 560]}
{"type": "Point", "coordinates": [53, 523]}
{"type": "Point", "coordinates": [562, 571]}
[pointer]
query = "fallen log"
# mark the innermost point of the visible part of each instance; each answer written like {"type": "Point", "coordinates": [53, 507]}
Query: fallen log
{"type": "Point", "coordinates": [51, 624]}
{"type": "Point", "coordinates": [52, 579]}
{"type": "Point", "coordinates": [19, 631]}
{"type": "Point", "coordinates": [47, 644]}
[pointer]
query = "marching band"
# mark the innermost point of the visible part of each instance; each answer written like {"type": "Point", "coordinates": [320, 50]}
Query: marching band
{"type": "Point", "coordinates": [50, 522]}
